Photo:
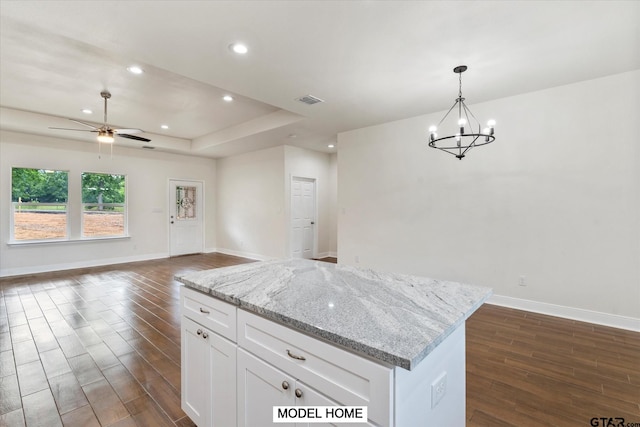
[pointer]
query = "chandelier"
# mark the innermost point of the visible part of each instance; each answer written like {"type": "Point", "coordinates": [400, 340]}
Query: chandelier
{"type": "Point", "coordinates": [459, 143]}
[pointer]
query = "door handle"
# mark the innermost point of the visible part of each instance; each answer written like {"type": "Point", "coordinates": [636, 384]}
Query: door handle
{"type": "Point", "coordinates": [313, 222]}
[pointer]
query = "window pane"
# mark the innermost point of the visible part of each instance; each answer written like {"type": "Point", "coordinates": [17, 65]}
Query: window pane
{"type": "Point", "coordinates": [37, 221]}
{"type": "Point", "coordinates": [185, 203]}
{"type": "Point", "coordinates": [39, 199]}
{"type": "Point", "coordinates": [103, 205]}
{"type": "Point", "coordinates": [101, 221]}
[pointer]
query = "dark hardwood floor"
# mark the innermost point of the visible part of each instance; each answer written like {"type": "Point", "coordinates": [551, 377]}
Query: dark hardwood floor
{"type": "Point", "coordinates": [101, 346]}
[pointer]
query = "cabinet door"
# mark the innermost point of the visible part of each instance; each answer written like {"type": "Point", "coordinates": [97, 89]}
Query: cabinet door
{"type": "Point", "coordinates": [222, 365]}
{"type": "Point", "coordinates": [195, 373]}
{"type": "Point", "coordinates": [260, 388]}
{"type": "Point", "coordinates": [311, 397]}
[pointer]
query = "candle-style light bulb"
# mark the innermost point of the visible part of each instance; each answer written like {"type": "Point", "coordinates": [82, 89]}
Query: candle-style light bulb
{"type": "Point", "coordinates": [492, 124]}
{"type": "Point", "coordinates": [486, 132]}
{"type": "Point", "coordinates": [432, 131]}
{"type": "Point", "coordinates": [461, 122]}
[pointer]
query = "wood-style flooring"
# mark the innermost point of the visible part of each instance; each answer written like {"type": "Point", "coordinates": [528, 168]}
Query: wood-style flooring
{"type": "Point", "coordinates": [101, 346]}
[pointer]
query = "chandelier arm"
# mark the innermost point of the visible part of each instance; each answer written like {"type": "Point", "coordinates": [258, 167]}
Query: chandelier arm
{"type": "Point", "coordinates": [446, 151]}
{"type": "Point", "coordinates": [445, 116]}
{"type": "Point", "coordinates": [468, 110]}
{"type": "Point", "coordinates": [473, 144]}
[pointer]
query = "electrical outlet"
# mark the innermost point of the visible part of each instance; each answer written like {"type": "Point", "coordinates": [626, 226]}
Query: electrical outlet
{"type": "Point", "coordinates": [438, 389]}
{"type": "Point", "coordinates": [521, 281]}
{"type": "Point", "coordinates": [357, 259]}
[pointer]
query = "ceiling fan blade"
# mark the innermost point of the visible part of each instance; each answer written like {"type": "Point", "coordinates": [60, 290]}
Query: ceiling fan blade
{"type": "Point", "coordinates": [79, 130]}
{"type": "Point", "coordinates": [137, 138]}
{"type": "Point", "coordinates": [83, 123]}
{"type": "Point", "coordinates": [128, 130]}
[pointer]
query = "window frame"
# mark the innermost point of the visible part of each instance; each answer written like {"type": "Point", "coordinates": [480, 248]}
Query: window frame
{"type": "Point", "coordinates": [124, 205]}
{"type": "Point", "coordinates": [19, 204]}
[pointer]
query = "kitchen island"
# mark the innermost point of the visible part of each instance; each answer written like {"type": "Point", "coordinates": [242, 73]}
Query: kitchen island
{"type": "Point", "coordinates": [299, 332]}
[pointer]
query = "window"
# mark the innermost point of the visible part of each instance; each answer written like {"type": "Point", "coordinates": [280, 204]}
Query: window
{"type": "Point", "coordinates": [104, 209]}
{"type": "Point", "coordinates": [39, 202]}
{"type": "Point", "coordinates": [185, 203]}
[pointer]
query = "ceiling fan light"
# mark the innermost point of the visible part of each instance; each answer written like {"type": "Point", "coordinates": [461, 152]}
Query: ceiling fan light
{"type": "Point", "coordinates": [105, 136]}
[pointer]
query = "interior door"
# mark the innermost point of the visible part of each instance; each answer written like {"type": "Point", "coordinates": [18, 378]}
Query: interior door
{"type": "Point", "coordinates": [186, 222]}
{"type": "Point", "coordinates": [303, 210]}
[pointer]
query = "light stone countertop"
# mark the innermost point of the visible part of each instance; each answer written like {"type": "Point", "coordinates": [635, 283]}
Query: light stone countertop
{"type": "Point", "coordinates": [395, 318]}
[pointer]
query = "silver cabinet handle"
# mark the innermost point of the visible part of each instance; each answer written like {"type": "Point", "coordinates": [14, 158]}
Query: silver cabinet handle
{"type": "Point", "coordinates": [199, 332]}
{"type": "Point", "coordinates": [294, 356]}
{"type": "Point", "coordinates": [298, 392]}
{"type": "Point", "coordinates": [205, 335]}
{"type": "Point", "coordinates": [202, 310]}
{"type": "Point", "coordinates": [285, 385]}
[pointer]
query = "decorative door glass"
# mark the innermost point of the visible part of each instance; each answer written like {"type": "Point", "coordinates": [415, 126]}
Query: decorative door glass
{"type": "Point", "coordinates": [185, 203]}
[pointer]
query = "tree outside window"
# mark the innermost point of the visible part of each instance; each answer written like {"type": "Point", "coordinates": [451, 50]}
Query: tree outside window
{"type": "Point", "coordinates": [103, 205]}
{"type": "Point", "coordinates": [39, 200]}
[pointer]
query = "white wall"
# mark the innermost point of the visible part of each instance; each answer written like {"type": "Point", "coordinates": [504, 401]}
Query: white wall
{"type": "Point", "coordinates": [147, 173]}
{"type": "Point", "coordinates": [555, 199]}
{"type": "Point", "coordinates": [251, 204]}
{"type": "Point", "coordinates": [254, 192]}
{"type": "Point", "coordinates": [313, 164]}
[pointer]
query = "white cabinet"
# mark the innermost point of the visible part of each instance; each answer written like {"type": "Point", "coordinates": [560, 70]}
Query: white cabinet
{"type": "Point", "coordinates": [262, 386]}
{"type": "Point", "coordinates": [330, 374]}
{"type": "Point", "coordinates": [208, 365]}
{"type": "Point", "coordinates": [236, 366]}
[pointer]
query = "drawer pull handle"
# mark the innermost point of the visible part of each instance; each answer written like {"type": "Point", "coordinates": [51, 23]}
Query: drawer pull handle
{"type": "Point", "coordinates": [199, 332]}
{"type": "Point", "coordinates": [205, 335]}
{"type": "Point", "coordinates": [285, 385]}
{"type": "Point", "coordinates": [294, 356]}
{"type": "Point", "coordinates": [202, 310]}
{"type": "Point", "coordinates": [298, 392]}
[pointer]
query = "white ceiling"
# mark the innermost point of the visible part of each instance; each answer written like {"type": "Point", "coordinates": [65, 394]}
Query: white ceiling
{"type": "Point", "coordinates": [371, 61]}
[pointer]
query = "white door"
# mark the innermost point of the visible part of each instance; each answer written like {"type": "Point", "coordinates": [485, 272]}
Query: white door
{"type": "Point", "coordinates": [186, 200]}
{"type": "Point", "coordinates": [303, 211]}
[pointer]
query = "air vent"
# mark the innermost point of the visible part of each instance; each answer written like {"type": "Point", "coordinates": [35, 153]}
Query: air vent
{"type": "Point", "coordinates": [309, 100]}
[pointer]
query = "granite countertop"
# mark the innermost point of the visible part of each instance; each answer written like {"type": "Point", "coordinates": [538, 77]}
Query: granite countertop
{"type": "Point", "coordinates": [395, 318]}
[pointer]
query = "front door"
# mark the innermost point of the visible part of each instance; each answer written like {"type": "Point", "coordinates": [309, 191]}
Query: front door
{"type": "Point", "coordinates": [186, 210]}
{"type": "Point", "coordinates": [303, 210]}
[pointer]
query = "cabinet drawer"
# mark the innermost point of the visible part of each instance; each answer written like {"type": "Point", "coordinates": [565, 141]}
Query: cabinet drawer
{"type": "Point", "coordinates": [341, 375]}
{"type": "Point", "coordinates": [216, 315]}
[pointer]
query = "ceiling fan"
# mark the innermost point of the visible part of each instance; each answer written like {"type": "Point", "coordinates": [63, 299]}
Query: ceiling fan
{"type": "Point", "coordinates": [105, 132]}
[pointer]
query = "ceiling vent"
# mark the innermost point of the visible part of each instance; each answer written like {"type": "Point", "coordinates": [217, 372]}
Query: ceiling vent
{"type": "Point", "coordinates": [309, 100]}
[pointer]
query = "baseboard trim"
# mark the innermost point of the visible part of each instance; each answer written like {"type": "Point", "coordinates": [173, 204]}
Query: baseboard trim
{"type": "Point", "coordinates": [327, 255]}
{"type": "Point", "coordinates": [23, 271]}
{"type": "Point", "coordinates": [243, 254]}
{"type": "Point", "coordinates": [589, 316]}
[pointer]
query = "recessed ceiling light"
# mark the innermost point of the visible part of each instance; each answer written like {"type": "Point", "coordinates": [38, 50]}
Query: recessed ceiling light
{"type": "Point", "coordinates": [164, 127]}
{"type": "Point", "coordinates": [239, 48]}
{"type": "Point", "coordinates": [87, 111]}
{"type": "Point", "coordinates": [134, 69]}
{"type": "Point", "coordinates": [331, 146]}
{"type": "Point", "coordinates": [293, 135]}
{"type": "Point", "coordinates": [228, 98]}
